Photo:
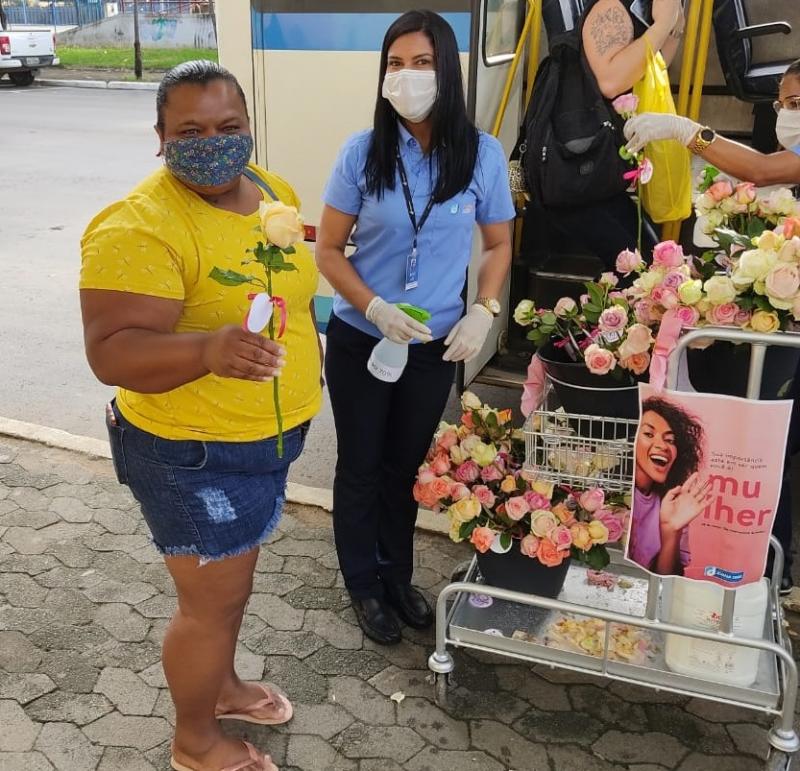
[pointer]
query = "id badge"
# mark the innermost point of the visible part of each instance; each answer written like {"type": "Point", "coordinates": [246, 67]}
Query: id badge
{"type": "Point", "coordinates": [412, 270]}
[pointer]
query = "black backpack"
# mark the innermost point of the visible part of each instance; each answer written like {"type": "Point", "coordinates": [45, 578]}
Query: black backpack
{"type": "Point", "coordinates": [570, 138]}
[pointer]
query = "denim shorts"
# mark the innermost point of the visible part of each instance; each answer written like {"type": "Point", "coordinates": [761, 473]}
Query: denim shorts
{"type": "Point", "coordinates": [210, 499]}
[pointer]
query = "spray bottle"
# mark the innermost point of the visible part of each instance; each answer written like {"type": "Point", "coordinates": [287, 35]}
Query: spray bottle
{"type": "Point", "coordinates": [388, 359]}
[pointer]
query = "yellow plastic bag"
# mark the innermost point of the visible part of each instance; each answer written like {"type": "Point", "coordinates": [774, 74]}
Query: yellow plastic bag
{"type": "Point", "coordinates": [668, 195]}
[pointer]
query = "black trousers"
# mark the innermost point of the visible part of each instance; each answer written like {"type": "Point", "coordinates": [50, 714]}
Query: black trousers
{"type": "Point", "coordinates": [383, 432]}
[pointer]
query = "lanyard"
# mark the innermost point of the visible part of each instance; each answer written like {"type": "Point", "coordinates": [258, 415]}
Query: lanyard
{"type": "Point", "coordinates": [412, 214]}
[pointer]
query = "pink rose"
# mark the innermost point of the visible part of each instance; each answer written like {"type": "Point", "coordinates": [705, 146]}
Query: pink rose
{"type": "Point", "coordinates": [720, 190]}
{"type": "Point", "coordinates": [613, 524]}
{"type": "Point", "coordinates": [689, 316]}
{"type": "Point", "coordinates": [796, 308]}
{"type": "Point", "coordinates": [536, 500]}
{"type": "Point", "coordinates": [529, 545]}
{"type": "Point", "coordinates": [783, 281]}
{"type": "Point", "coordinates": [564, 306]}
{"type": "Point", "coordinates": [467, 472]}
{"type": "Point", "coordinates": [517, 507]}
{"type": "Point", "coordinates": [585, 299]}
{"type": "Point", "coordinates": [673, 279]}
{"type": "Point", "coordinates": [561, 537]}
{"type": "Point", "coordinates": [608, 278]}
{"type": "Point", "coordinates": [626, 104]}
{"type": "Point", "coordinates": [745, 193]}
{"type": "Point", "coordinates": [743, 318]}
{"type": "Point", "coordinates": [441, 487]}
{"type": "Point", "coordinates": [613, 320]}
{"type": "Point", "coordinates": [482, 538]}
{"type": "Point", "coordinates": [642, 310]}
{"type": "Point", "coordinates": [592, 499]}
{"type": "Point", "coordinates": [440, 464]}
{"type": "Point", "coordinates": [425, 476]}
{"type": "Point", "coordinates": [638, 363]}
{"type": "Point", "coordinates": [484, 495]}
{"type": "Point", "coordinates": [447, 440]}
{"type": "Point", "coordinates": [665, 296]}
{"type": "Point", "coordinates": [491, 473]}
{"type": "Point", "coordinates": [598, 360]}
{"type": "Point", "coordinates": [668, 254]}
{"type": "Point", "coordinates": [628, 262]}
{"type": "Point", "coordinates": [723, 314]}
{"type": "Point", "coordinates": [459, 492]}
{"type": "Point", "coordinates": [638, 340]}
{"type": "Point", "coordinates": [618, 295]}
{"type": "Point", "coordinates": [534, 388]}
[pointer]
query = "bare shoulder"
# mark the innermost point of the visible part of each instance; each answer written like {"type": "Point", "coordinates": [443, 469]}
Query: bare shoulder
{"type": "Point", "coordinates": [608, 29]}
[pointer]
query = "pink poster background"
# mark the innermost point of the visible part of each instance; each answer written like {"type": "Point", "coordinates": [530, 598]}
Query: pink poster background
{"type": "Point", "coordinates": [738, 479]}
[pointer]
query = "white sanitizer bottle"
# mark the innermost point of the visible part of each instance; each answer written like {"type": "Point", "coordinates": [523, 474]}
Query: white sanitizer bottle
{"type": "Point", "coordinates": [388, 359]}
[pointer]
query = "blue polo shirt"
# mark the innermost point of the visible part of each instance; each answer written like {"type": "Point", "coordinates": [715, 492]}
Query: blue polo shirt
{"type": "Point", "coordinates": [383, 235]}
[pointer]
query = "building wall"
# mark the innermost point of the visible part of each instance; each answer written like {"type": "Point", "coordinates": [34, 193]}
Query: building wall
{"type": "Point", "coordinates": [155, 31]}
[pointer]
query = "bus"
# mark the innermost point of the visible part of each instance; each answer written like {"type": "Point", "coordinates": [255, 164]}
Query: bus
{"type": "Point", "coordinates": [309, 71]}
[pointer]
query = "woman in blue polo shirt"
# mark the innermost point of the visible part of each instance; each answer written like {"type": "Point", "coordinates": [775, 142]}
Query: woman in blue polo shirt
{"type": "Point", "coordinates": [408, 192]}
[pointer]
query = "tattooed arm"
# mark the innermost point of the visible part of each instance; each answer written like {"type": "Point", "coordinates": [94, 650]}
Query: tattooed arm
{"type": "Point", "coordinates": [617, 60]}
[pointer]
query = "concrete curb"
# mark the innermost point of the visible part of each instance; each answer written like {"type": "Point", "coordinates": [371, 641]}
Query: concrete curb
{"type": "Point", "coordinates": [98, 448]}
{"type": "Point", "coordinates": [119, 85]}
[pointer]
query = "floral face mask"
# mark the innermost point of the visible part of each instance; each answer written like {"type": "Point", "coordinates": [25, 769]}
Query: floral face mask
{"type": "Point", "coordinates": [208, 161]}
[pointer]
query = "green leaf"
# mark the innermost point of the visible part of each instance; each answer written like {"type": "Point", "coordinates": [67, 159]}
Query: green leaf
{"type": "Point", "coordinates": [290, 250]}
{"type": "Point", "coordinates": [230, 277]}
{"type": "Point", "coordinates": [505, 541]}
{"type": "Point", "coordinates": [597, 294]}
{"type": "Point", "coordinates": [549, 318]}
{"type": "Point", "coordinates": [465, 531]}
{"type": "Point", "coordinates": [287, 267]}
{"type": "Point", "coordinates": [596, 558]}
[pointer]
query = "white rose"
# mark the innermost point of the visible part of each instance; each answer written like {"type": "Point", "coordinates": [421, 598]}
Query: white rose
{"type": "Point", "coordinates": [649, 280]}
{"type": "Point", "coordinates": [281, 224]}
{"type": "Point", "coordinates": [720, 290]}
{"type": "Point", "coordinates": [470, 402]}
{"type": "Point", "coordinates": [713, 220]}
{"type": "Point", "coordinates": [523, 312]}
{"type": "Point", "coordinates": [790, 251]}
{"type": "Point", "coordinates": [704, 204]}
{"type": "Point", "coordinates": [780, 202]}
{"type": "Point", "coordinates": [753, 266]}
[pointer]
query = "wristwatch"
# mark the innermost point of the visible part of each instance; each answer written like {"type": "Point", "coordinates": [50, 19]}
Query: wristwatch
{"type": "Point", "coordinates": [702, 140]}
{"type": "Point", "coordinates": [491, 305]}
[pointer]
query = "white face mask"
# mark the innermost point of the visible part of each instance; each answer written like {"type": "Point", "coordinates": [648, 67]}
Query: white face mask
{"type": "Point", "coordinates": [788, 128]}
{"type": "Point", "coordinates": [411, 92]}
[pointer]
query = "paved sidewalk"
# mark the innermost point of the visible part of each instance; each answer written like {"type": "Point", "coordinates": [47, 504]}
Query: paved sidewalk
{"type": "Point", "coordinates": [84, 601]}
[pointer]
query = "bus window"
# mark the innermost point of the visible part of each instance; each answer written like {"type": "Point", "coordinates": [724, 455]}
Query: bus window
{"type": "Point", "coordinates": [501, 26]}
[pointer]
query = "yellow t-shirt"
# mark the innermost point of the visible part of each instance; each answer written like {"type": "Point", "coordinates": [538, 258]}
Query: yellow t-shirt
{"type": "Point", "coordinates": [163, 240]}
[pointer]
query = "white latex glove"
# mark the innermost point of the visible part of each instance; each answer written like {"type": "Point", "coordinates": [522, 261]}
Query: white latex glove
{"type": "Point", "coordinates": [467, 337]}
{"type": "Point", "coordinates": [654, 126]}
{"type": "Point", "coordinates": [395, 325]}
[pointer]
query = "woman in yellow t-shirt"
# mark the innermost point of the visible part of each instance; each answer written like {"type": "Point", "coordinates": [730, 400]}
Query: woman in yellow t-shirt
{"type": "Point", "coordinates": [193, 426]}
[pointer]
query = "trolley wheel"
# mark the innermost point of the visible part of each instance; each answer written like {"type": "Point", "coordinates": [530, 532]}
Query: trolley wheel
{"type": "Point", "coordinates": [460, 571]}
{"type": "Point", "coordinates": [441, 683]}
{"type": "Point", "coordinates": [779, 761]}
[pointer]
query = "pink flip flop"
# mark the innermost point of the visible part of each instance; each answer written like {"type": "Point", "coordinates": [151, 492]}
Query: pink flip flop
{"type": "Point", "coordinates": [272, 697]}
{"type": "Point", "coordinates": [264, 762]}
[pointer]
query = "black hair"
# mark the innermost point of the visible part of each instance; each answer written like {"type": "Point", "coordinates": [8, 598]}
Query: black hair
{"type": "Point", "coordinates": [198, 72]}
{"type": "Point", "coordinates": [688, 433]}
{"type": "Point", "coordinates": [793, 69]}
{"type": "Point", "coordinates": [454, 138]}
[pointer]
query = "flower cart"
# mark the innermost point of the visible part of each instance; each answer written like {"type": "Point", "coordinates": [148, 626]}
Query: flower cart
{"type": "Point", "coordinates": [614, 623]}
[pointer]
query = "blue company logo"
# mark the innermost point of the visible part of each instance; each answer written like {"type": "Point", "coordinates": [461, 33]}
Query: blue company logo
{"type": "Point", "coordinates": [724, 575]}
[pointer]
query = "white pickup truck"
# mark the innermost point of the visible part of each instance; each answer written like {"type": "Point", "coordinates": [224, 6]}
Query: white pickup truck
{"type": "Point", "coordinates": [24, 51]}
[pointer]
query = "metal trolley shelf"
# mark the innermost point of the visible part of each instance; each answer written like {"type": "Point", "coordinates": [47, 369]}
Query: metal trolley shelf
{"type": "Point", "coordinates": [584, 450]}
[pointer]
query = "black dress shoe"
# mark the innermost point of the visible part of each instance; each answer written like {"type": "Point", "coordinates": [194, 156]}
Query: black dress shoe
{"type": "Point", "coordinates": [786, 586]}
{"type": "Point", "coordinates": [410, 605]}
{"type": "Point", "coordinates": [375, 617]}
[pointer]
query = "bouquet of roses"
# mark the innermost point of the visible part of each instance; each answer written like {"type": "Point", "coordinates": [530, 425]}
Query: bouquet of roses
{"type": "Point", "coordinates": [474, 473]}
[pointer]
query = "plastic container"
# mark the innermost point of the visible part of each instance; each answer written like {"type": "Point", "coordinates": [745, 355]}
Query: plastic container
{"type": "Point", "coordinates": [698, 604]}
{"type": "Point", "coordinates": [388, 360]}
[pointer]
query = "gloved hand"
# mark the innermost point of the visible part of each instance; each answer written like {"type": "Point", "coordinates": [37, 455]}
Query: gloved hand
{"type": "Point", "coordinates": [653, 126]}
{"type": "Point", "coordinates": [395, 325]}
{"type": "Point", "coordinates": [467, 337]}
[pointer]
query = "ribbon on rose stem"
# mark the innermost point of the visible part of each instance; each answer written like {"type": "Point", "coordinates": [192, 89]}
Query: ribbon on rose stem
{"type": "Point", "coordinates": [667, 337]}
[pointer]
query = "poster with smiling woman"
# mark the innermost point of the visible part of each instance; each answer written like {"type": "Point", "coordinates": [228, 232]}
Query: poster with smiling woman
{"type": "Point", "coordinates": [708, 472]}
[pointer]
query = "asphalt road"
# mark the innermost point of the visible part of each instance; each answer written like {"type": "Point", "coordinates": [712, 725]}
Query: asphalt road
{"type": "Point", "coordinates": [65, 154]}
